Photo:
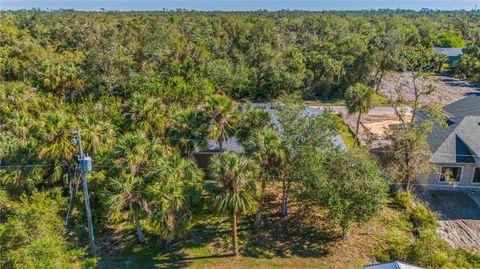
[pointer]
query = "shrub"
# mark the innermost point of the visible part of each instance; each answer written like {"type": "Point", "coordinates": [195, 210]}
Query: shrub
{"type": "Point", "coordinates": [403, 200]}
{"type": "Point", "coordinates": [427, 248]}
{"type": "Point", "coordinates": [423, 218]}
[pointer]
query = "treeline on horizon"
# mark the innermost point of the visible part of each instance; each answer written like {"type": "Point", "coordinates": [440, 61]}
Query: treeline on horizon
{"type": "Point", "coordinates": [256, 55]}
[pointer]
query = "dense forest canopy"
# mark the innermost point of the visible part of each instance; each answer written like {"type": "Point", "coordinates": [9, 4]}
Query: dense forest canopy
{"type": "Point", "coordinates": [186, 55]}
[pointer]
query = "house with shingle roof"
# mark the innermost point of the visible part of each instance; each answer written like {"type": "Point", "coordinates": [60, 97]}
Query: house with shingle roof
{"type": "Point", "coordinates": [203, 156]}
{"type": "Point", "coordinates": [392, 265]}
{"type": "Point", "coordinates": [456, 148]}
{"type": "Point", "coordinates": [453, 54]}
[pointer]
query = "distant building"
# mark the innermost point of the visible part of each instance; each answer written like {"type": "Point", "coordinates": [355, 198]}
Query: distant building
{"type": "Point", "coordinates": [456, 147]}
{"type": "Point", "coordinates": [453, 54]}
{"type": "Point", "coordinates": [203, 156]}
{"type": "Point", "coordinates": [392, 265]}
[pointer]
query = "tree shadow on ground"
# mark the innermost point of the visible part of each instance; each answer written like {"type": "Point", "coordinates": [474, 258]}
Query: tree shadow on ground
{"type": "Point", "coordinates": [171, 259]}
{"type": "Point", "coordinates": [120, 249]}
{"type": "Point", "coordinates": [303, 234]}
{"type": "Point", "coordinates": [300, 234]}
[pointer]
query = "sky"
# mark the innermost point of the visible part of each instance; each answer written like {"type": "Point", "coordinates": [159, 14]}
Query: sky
{"type": "Point", "coordinates": [236, 5]}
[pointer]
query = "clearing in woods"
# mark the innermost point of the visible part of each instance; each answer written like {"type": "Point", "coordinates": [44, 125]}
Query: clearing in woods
{"type": "Point", "coordinates": [448, 89]}
{"type": "Point", "coordinates": [303, 240]}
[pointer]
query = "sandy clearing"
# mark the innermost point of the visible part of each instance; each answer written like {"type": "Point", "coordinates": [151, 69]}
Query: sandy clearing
{"type": "Point", "coordinates": [448, 89]}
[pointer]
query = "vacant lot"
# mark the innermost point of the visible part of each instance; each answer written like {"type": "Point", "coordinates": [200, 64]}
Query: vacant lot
{"type": "Point", "coordinates": [303, 240]}
{"type": "Point", "coordinates": [448, 89]}
{"type": "Point", "coordinates": [375, 124]}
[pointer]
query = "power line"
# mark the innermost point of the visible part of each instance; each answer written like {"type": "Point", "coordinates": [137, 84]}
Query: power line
{"type": "Point", "coordinates": [22, 166]}
{"type": "Point", "coordinates": [72, 191]}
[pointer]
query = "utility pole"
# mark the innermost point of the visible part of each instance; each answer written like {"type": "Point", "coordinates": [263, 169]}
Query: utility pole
{"type": "Point", "coordinates": [86, 166]}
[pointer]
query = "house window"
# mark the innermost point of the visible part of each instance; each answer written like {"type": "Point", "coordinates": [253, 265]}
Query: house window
{"type": "Point", "coordinates": [454, 173]}
{"type": "Point", "coordinates": [476, 175]}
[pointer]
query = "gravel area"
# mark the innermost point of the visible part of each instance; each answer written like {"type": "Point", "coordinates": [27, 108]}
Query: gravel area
{"type": "Point", "coordinates": [448, 89]}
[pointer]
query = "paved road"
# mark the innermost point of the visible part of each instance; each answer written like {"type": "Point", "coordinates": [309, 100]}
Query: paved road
{"type": "Point", "coordinates": [376, 111]}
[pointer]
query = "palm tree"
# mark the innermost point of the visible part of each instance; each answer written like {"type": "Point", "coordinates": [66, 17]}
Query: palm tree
{"type": "Point", "coordinates": [234, 190]}
{"type": "Point", "coordinates": [146, 113]}
{"type": "Point", "coordinates": [253, 118]}
{"type": "Point", "coordinates": [127, 191]}
{"type": "Point", "coordinates": [20, 123]}
{"type": "Point", "coordinates": [265, 147]}
{"type": "Point", "coordinates": [54, 132]}
{"type": "Point", "coordinates": [359, 100]}
{"type": "Point", "coordinates": [222, 113]}
{"type": "Point", "coordinates": [97, 134]}
{"type": "Point", "coordinates": [131, 153]}
{"type": "Point", "coordinates": [440, 59]}
{"type": "Point", "coordinates": [188, 131]}
{"type": "Point", "coordinates": [174, 195]}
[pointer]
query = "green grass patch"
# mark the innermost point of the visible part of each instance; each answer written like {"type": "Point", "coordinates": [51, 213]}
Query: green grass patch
{"type": "Point", "coordinates": [380, 100]}
{"type": "Point", "coordinates": [344, 131]}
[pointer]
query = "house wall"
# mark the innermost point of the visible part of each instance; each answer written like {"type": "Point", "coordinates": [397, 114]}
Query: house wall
{"type": "Point", "coordinates": [432, 181]}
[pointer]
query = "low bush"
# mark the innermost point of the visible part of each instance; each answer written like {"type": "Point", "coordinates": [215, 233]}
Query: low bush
{"type": "Point", "coordinates": [424, 247]}
{"type": "Point", "coordinates": [403, 200]}
{"type": "Point", "coordinates": [424, 218]}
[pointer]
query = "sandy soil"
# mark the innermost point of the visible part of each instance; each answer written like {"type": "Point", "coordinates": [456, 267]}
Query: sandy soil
{"type": "Point", "coordinates": [373, 125]}
{"type": "Point", "coordinates": [448, 89]}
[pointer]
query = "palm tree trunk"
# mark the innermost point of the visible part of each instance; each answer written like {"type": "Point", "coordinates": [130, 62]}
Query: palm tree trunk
{"type": "Point", "coordinates": [356, 129]}
{"type": "Point", "coordinates": [234, 234]}
{"type": "Point", "coordinates": [379, 82]}
{"type": "Point", "coordinates": [285, 196]}
{"type": "Point", "coordinates": [220, 144]}
{"type": "Point", "coordinates": [138, 226]}
{"type": "Point", "coordinates": [169, 239]}
{"type": "Point", "coordinates": [258, 216]}
{"type": "Point", "coordinates": [345, 229]}
{"type": "Point", "coordinates": [220, 138]}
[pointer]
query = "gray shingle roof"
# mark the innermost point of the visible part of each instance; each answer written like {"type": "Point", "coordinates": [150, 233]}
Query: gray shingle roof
{"type": "Point", "coordinates": [392, 265]}
{"type": "Point", "coordinates": [460, 141]}
{"type": "Point", "coordinates": [468, 106]}
{"type": "Point", "coordinates": [336, 140]}
{"type": "Point", "coordinates": [449, 52]}
{"type": "Point", "coordinates": [232, 144]}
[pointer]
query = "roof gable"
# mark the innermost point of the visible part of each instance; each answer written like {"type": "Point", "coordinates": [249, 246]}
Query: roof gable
{"type": "Point", "coordinates": [469, 131]}
{"type": "Point", "coordinates": [458, 143]}
{"type": "Point", "coordinates": [392, 265]}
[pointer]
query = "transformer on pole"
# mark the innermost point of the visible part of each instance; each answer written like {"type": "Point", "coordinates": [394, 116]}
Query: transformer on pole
{"type": "Point", "coordinates": [85, 163]}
